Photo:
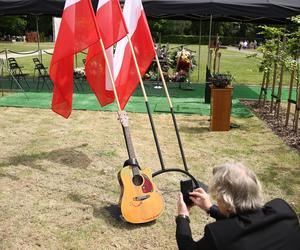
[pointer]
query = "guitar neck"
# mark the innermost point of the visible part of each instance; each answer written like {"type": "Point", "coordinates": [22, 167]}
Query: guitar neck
{"type": "Point", "coordinates": [124, 122]}
{"type": "Point", "coordinates": [128, 142]}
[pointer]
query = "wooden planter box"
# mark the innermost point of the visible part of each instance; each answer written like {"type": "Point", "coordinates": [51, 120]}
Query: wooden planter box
{"type": "Point", "coordinates": [220, 108]}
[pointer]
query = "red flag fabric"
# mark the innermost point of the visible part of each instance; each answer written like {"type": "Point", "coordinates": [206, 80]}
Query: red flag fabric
{"type": "Point", "coordinates": [125, 73]}
{"type": "Point", "coordinates": [112, 28]}
{"type": "Point", "coordinates": [77, 31]}
{"type": "Point", "coordinates": [97, 74]}
{"type": "Point", "coordinates": [110, 22]}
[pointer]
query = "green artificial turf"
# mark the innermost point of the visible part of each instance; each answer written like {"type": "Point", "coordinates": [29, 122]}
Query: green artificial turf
{"type": "Point", "coordinates": [187, 99]}
{"type": "Point", "coordinates": [136, 104]}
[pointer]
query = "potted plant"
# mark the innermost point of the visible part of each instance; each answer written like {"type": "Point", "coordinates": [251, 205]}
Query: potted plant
{"type": "Point", "coordinates": [221, 80]}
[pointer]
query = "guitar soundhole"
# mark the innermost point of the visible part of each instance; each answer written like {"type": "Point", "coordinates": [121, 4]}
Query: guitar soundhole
{"type": "Point", "coordinates": [137, 180]}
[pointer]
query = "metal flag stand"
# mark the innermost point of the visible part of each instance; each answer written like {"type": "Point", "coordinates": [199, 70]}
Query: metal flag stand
{"type": "Point", "coordinates": [163, 168]}
{"type": "Point", "coordinates": [147, 105]}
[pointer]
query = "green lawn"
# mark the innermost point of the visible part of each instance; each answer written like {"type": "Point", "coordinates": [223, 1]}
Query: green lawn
{"type": "Point", "coordinates": [244, 70]}
{"type": "Point", "coordinates": [21, 47]}
{"type": "Point", "coordinates": [59, 184]}
{"type": "Point", "coordinates": [58, 177]}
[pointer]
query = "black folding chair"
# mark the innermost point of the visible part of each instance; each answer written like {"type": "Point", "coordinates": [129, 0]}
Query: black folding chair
{"type": "Point", "coordinates": [11, 60]}
{"type": "Point", "coordinates": [35, 61]}
{"type": "Point", "coordinates": [16, 73]}
{"type": "Point", "coordinates": [42, 76]}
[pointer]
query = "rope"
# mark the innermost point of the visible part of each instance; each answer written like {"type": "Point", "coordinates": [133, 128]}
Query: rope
{"type": "Point", "coordinates": [23, 53]}
{"type": "Point", "coordinates": [48, 53]}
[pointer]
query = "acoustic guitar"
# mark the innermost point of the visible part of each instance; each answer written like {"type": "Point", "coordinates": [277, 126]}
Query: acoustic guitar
{"type": "Point", "coordinates": [140, 200]}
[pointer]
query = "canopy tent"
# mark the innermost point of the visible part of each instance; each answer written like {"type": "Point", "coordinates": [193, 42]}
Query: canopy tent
{"type": "Point", "coordinates": [264, 11]}
{"type": "Point", "coordinates": [34, 7]}
{"type": "Point", "coordinates": [227, 10]}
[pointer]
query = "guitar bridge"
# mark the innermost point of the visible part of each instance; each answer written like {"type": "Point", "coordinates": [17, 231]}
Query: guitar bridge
{"type": "Point", "coordinates": [141, 198]}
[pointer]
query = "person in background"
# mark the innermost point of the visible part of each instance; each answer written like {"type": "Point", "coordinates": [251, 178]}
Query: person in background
{"type": "Point", "coordinates": [241, 44]}
{"type": "Point", "coordinates": [251, 45]}
{"type": "Point", "coordinates": [254, 44]}
{"type": "Point", "coordinates": [242, 221]}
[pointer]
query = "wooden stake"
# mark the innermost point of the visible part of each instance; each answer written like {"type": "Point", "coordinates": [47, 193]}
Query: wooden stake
{"type": "Point", "coordinates": [266, 87]}
{"type": "Point", "coordinates": [297, 109]}
{"type": "Point", "coordinates": [278, 97]}
{"type": "Point", "coordinates": [274, 78]}
{"type": "Point", "coordinates": [290, 98]}
{"type": "Point", "coordinates": [262, 89]}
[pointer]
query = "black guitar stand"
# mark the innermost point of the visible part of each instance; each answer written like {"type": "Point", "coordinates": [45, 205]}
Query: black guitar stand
{"type": "Point", "coordinates": [163, 169]}
{"type": "Point", "coordinates": [166, 170]}
{"type": "Point", "coordinates": [196, 183]}
{"type": "Point", "coordinates": [134, 162]}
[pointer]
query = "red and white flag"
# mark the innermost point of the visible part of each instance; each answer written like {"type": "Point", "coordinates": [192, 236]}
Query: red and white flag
{"type": "Point", "coordinates": [125, 73]}
{"type": "Point", "coordinates": [77, 31]}
{"type": "Point", "coordinates": [112, 28]}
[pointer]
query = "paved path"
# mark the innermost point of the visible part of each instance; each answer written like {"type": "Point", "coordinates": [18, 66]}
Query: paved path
{"type": "Point", "coordinates": [245, 51]}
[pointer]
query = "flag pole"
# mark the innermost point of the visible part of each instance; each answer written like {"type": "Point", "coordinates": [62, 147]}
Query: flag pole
{"type": "Point", "coordinates": [147, 105]}
{"type": "Point", "coordinates": [172, 112]}
{"type": "Point", "coordinates": [106, 61]}
{"type": "Point", "coordinates": [110, 74]}
{"type": "Point", "coordinates": [127, 138]}
{"type": "Point", "coordinates": [116, 97]}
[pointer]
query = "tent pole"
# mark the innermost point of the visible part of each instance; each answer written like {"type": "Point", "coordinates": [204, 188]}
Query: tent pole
{"type": "Point", "coordinates": [209, 41]}
{"type": "Point", "coordinates": [199, 53]}
{"type": "Point", "coordinates": [207, 94]}
{"type": "Point", "coordinates": [38, 38]}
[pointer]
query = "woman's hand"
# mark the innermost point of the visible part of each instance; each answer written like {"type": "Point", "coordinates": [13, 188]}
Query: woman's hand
{"type": "Point", "coordinates": [181, 206]}
{"type": "Point", "coordinates": [201, 199]}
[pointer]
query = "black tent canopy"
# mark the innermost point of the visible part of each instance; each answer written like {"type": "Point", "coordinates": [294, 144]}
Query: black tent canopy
{"type": "Point", "coordinates": [228, 10]}
{"type": "Point", "coordinates": [34, 7]}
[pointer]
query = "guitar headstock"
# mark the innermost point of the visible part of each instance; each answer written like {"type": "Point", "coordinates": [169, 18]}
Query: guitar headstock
{"type": "Point", "coordinates": [123, 118]}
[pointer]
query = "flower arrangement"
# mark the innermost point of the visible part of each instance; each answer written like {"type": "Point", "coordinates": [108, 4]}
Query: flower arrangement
{"type": "Point", "coordinates": [221, 80]}
{"type": "Point", "coordinates": [152, 73]}
{"type": "Point", "coordinates": [182, 60]}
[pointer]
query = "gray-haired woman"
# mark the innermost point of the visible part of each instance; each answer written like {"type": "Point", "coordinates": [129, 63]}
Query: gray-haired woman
{"type": "Point", "coordinates": [242, 221]}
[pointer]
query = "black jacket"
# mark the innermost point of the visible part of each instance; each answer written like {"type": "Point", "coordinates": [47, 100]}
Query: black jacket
{"type": "Point", "coordinates": [273, 227]}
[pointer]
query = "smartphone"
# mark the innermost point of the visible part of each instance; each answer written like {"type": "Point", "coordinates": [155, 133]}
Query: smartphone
{"type": "Point", "coordinates": [188, 186]}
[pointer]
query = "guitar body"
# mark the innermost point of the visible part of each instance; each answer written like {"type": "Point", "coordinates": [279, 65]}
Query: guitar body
{"type": "Point", "coordinates": [140, 201]}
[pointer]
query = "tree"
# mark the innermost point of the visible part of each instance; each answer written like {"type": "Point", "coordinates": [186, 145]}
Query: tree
{"type": "Point", "coordinates": [44, 22]}
{"type": "Point", "coordinates": [12, 25]}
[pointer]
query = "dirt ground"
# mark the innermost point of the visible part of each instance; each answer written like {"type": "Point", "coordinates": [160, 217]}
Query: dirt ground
{"type": "Point", "coordinates": [58, 177]}
{"type": "Point", "coordinates": [278, 124]}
